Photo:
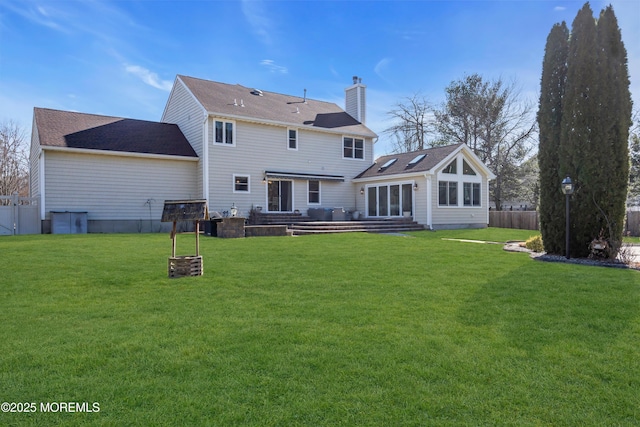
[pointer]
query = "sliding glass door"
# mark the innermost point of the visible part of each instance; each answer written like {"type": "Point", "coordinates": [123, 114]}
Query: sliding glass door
{"type": "Point", "coordinates": [390, 200]}
{"type": "Point", "coordinates": [280, 196]}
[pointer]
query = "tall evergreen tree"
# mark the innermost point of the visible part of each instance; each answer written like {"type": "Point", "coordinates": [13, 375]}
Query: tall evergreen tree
{"type": "Point", "coordinates": [616, 119]}
{"type": "Point", "coordinates": [594, 128]}
{"type": "Point", "coordinates": [554, 74]}
{"type": "Point", "coordinates": [580, 130]}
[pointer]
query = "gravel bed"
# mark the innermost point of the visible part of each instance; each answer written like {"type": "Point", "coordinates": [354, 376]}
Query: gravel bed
{"type": "Point", "coordinates": [543, 256]}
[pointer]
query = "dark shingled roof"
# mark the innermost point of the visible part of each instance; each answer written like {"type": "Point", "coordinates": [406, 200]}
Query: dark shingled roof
{"type": "Point", "coordinates": [403, 165]}
{"type": "Point", "coordinates": [218, 98]}
{"type": "Point", "coordinates": [89, 131]}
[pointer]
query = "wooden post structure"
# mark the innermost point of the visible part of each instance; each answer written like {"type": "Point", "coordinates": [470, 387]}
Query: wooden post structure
{"type": "Point", "coordinates": [173, 240]}
{"type": "Point", "coordinates": [185, 210]}
{"type": "Point", "coordinates": [197, 238]}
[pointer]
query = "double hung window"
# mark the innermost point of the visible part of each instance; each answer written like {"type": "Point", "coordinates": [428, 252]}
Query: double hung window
{"type": "Point", "coordinates": [471, 191]}
{"type": "Point", "coordinates": [223, 132]}
{"type": "Point", "coordinates": [240, 183]}
{"type": "Point", "coordinates": [352, 148]}
{"type": "Point", "coordinates": [314, 192]}
{"type": "Point", "coordinates": [292, 139]}
{"type": "Point", "coordinates": [447, 193]}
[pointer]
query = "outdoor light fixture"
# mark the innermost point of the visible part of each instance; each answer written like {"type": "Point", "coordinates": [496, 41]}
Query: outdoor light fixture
{"type": "Point", "coordinates": [567, 189]}
{"type": "Point", "coordinates": [234, 210]}
{"type": "Point", "coordinates": [415, 186]}
{"type": "Point", "coordinates": [567, 186]}
{"type": "Point", "coordinates": [361, 190]}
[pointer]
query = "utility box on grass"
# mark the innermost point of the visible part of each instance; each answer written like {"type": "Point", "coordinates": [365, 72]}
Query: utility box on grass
{"type": "Point", "coordinates": [68, 222]}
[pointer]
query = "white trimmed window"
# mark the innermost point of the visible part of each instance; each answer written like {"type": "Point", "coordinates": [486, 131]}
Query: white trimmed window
{"type": "Point", "coordinates": [313, 190]}
{"type": "Point", "coordinates": [241, 183]}
{"type": "Point", "coordinates": [467, 169]}
{"type": "Point", "coordinates": [224, 132]}
{"type": "Point", "coordinates": [471, 193]}
{"type": "Point", "coordinates": [452, 168]}
{"type": "Point", "coordinates": [447, 193]}
{"type": "Point", "coordinates": [459, 185]}
{"type": "Point", "coordinates": [352, 148]}
{"type": "Point", "coordinates": [292, 139]}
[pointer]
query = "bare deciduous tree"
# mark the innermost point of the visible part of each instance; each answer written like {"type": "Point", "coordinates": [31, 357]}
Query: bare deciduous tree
{"type": "Point", "coordinates": [413, 123]}
{"type": "Point", "coordinates": [14, 159]}
{"type": "Point", "coordinates": [492, 119]}
{"type": "Point", "coordinates": [633, 198]}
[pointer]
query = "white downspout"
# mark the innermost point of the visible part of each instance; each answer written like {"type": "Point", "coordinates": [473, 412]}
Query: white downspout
{"type": "Point", "coordinates": [205, 159]}
{"type": "Point", "coordinates": [429, 203]}
{"type": "Point", "coordinates": [41, 184]}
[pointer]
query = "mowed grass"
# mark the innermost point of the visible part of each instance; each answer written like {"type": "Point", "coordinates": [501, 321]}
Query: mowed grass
{"type": "Point", "coordinates": [349, 329]}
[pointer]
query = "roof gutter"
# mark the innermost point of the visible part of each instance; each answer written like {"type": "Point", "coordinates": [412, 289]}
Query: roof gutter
{"type": "Point", "coordinates": [339, 131]}
{"type": "Point", "coordinates": [394, 176]}
{"type": "Point", "coordinates": [119, 153]}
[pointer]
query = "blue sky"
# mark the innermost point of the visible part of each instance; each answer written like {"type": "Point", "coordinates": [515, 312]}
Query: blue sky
{"type": "Point", "coordinates": [120, 58]}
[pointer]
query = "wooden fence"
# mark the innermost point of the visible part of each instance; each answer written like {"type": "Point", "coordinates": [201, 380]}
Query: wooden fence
{"type": "Point", "coordinates": [523, 220]}
{"type": "Point", "coordinates": [528, 220]}
{"type": "Point", "coordinates": [633, 223]}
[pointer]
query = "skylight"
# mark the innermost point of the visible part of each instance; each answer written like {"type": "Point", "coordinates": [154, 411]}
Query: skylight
{"type": "Point", "coordinates": [387, 164]}
{"type": "Point", "coordinates": [416, 159]}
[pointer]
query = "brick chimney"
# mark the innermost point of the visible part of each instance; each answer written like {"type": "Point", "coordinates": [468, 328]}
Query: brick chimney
{"type": "Point", "coordinates": [355, 100]}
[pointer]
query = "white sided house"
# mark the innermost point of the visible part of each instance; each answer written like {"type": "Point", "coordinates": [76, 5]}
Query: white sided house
{"type": "Point", "coordinates": [274, 152]}
{"type": "Point", "coordinates": [238, 146]}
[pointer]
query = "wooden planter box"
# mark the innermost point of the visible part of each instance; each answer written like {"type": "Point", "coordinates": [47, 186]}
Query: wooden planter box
{"type": "Point", "coordinates": [184, 266]}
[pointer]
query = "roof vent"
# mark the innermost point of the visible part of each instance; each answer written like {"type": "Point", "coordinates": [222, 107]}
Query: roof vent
{"type": "Point", "coordinates": [257, 92]}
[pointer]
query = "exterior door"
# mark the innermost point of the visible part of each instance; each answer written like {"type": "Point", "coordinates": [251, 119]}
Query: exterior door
{"type": "Point", "coordinates": [390, 200]}
{"type": "Point", "coordinates": [280, 196]}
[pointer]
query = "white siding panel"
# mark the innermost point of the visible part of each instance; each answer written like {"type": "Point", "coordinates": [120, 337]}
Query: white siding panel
{"type": "Point", "coordinates": [114, 187]}
{"type": "Point", "coordinates": [183, 110]}
{"type": "Point", "coordinates": [264, 147]}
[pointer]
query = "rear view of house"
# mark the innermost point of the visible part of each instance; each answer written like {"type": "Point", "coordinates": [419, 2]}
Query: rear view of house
{"type": "Point", "coordinates": [249, 148]}
{"type": "Point", "coordinates": [227, 144]}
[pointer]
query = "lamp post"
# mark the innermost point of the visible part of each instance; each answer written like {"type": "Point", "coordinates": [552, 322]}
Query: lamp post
{"type": "Point", "coordinates": [567, 189]}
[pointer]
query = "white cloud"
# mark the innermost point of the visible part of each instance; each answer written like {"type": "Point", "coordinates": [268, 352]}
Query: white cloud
{"type": "Point", "coordinates": [381, 66]}
{"type": "Point", "coordinates": [149, 77]}
{"type": "Point", "coordinates": [273, 67]}
{"type": "Point", "coordinates": [48, 17]}
{"type": "Point", "coordinates": [559, 8]}
{"type": "Point", "coordinates": [255, 13]}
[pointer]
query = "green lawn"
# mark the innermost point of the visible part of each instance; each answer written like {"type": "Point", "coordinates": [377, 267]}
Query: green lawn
{"type": "Point", "coordinates": [350, 329]}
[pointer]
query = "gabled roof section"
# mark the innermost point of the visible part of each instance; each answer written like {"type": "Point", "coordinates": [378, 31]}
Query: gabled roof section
{"type": "Point", "coordinates": [66, 129]}
{"type": "Point", "coordinates": [409, 162]}
{"type": "Point", "coordinates": [237, 101]}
